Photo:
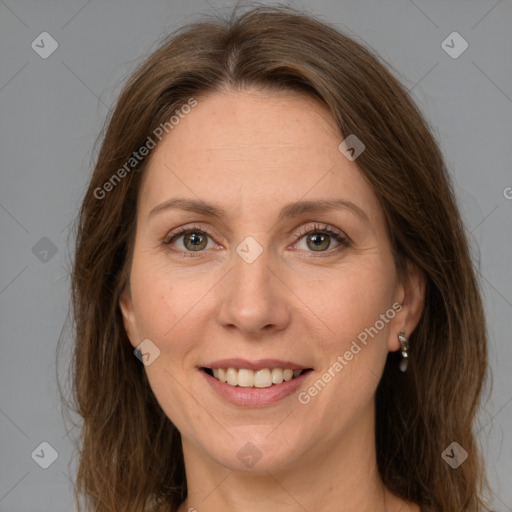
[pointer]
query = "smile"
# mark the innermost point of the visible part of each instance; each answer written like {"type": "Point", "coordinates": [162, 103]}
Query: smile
{"type": "Point", "coordinates": [246, 378]}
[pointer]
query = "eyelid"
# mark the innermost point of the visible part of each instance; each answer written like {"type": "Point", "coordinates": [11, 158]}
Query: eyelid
{"type": "Point", "coordinates": [183, 230]}
{"type": "Point", "coordinates": [320, 228]}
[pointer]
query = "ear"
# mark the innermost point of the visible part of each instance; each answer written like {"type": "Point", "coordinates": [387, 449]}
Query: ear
{"type": "Point", "coordinates": [129, 319]}
{"type": "Point", "coordinates": [411, 295]}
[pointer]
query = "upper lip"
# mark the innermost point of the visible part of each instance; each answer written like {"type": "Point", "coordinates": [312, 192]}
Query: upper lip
{"type": "Point", "coordinates": [255, 365]}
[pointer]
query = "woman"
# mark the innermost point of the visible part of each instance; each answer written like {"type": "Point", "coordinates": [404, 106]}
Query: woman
{"type": "Point", "coordinates": [267, 376]}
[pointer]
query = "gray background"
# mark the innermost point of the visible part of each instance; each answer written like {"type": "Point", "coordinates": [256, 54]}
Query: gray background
{"type": "Point", "coordinates": [53, 109]}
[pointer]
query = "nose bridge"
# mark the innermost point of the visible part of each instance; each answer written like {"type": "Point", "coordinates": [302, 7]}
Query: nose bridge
{"type": "Point", "coordinates": [252, 297]}
{"type": "Point", "coordinates": [251, 263]}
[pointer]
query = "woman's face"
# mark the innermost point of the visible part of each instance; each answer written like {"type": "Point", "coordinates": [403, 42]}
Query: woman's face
{"type": "Point", "coordinates": [246, 287]}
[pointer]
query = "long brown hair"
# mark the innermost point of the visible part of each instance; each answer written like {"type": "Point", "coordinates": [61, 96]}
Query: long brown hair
{"type": "Point", "coordinates": [130, 458]}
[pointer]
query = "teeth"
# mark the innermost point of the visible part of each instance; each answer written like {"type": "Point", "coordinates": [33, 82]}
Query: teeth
{"type": "Point", "coordinates": [232, 377]}
{"type": "Point", "coordinates": [245, 378]}
{"type": "Point", "coordinates": [277, 376]}
{"type": "Point", "coordinates": [263, 378]}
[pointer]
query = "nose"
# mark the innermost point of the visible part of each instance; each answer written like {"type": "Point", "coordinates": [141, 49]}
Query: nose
{"type": "Point", "coordinates": [254, 298]}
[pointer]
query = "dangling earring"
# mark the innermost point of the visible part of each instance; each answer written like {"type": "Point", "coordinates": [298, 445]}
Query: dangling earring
{"type": "Point", "coordinates": [404, 342]}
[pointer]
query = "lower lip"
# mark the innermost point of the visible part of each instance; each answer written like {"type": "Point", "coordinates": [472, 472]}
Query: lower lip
{"type": "Point", "coordinates": [255, 397]}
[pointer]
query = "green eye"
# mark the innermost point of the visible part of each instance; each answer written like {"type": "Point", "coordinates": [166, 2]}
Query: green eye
{"type": "Point", "coordinates": [318, 238]}
{"type": "Point", "coordinates": [194, 240]}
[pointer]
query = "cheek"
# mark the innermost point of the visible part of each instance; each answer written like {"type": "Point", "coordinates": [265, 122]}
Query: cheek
{"type": "Point", "coordinates": [354, 347]}
{"type": "Point", "coordinates": [354, 352]}
{"type": "Point", "coordinates": [162, 299]}
{"type": "Point", "coordinates": [165, 308]}
{"type": "Point", "coordinates": [350, 303]}
{"type": "Point", "coordinates": [161, 308]}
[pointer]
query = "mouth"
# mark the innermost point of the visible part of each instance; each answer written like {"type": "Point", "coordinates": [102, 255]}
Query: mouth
{"type": "Point", "coordinates": [258, 378]}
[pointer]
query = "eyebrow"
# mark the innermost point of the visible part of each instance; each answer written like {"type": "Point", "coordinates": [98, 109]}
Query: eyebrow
{"type": "Point", "coordinates": [290, 210]}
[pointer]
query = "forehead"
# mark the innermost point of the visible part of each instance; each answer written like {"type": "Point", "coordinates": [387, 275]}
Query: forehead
{"type": "Point", "coordinates": [251, 150]}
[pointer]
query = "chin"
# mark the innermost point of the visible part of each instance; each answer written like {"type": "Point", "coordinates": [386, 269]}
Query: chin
{"type": "Point", "coordinates": [257, 450]}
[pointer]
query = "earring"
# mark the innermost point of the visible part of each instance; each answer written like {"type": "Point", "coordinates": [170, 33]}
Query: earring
{"type": "Point", "coordinates": [404, 342]}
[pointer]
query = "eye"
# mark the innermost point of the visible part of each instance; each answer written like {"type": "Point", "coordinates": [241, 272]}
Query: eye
{"type": "Point", "coordinates": [193, 238]}
{"type": "Point", "coordinates": [319, 238]}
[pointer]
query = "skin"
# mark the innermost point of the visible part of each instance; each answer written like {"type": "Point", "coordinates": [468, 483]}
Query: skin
{"type": "Point", "coordinates": [252, 152]}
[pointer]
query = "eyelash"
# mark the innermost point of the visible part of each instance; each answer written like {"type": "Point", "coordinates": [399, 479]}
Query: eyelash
{"type": "Point", "coordinates": [316, 229]}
